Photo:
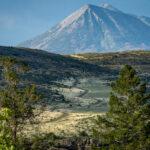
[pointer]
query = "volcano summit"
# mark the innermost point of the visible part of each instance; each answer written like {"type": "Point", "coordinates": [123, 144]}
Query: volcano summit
{"type": "Point", "coordinates": [95, 29]}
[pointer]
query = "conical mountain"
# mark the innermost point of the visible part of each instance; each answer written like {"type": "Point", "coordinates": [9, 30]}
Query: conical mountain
{"type": "Point", "coordinates": [95, 29]}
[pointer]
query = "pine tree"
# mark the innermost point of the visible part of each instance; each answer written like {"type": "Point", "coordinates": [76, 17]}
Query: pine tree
{"type": "Point", "coordinates": [16, 96]}
{"type": "Point", "coordinates": [127, 123]}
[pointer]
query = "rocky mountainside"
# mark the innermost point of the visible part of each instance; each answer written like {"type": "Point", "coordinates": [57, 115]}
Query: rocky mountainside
{"type": "Point", "coordinates": [95, 29]}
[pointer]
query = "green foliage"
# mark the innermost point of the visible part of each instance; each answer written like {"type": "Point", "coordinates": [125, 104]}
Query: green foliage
{"type": "Point", "coordinates": [40, 142]}
{"type": "Point", "coordinates": [15, 96]}
{"type": "Point", "coordinates": [127, 123]}
{"type": "Point", "coordinates": [5, 132]}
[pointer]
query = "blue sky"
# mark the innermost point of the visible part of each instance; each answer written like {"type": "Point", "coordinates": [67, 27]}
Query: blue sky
{"type": "Point", "coordinates": [23, 19]}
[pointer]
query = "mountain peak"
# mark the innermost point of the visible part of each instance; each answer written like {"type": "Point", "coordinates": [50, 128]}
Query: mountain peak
{"type": "Point", "coordinates": [81, 11]}
{"type": "Point", "coordinates": [76, 15]}
{"type": "Point", "coordinates": [108, 6]}
{"type": "Point", "coordinates": [95, 29]}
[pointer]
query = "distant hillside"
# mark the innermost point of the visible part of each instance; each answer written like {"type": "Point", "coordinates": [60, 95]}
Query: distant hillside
{"type": "Point", "coordinates": [50, 69]}
{"type": "Point", "coordinates": [138, 59]}
{"type": "Point", "coordinates": [47, 68]}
